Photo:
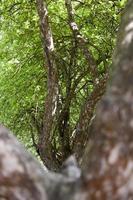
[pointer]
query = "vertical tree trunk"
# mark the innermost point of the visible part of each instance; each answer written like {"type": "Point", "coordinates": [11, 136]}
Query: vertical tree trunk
{"type": "Point", "coordinates": [109, 162]}
{"type": "Point", "coordinates": [45, 143]}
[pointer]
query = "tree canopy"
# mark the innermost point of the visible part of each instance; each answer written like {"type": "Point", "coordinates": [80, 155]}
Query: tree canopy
{"type": "Point", "coordinates": [59, 102]}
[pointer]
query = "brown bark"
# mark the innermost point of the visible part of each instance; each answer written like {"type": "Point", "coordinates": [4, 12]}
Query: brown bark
{"type": "Point", "coordinates": [87, 112]}
{"type": "Point", "coordinates": [45, 143]}
{"type": "Point", "coordinates": [79, 38]}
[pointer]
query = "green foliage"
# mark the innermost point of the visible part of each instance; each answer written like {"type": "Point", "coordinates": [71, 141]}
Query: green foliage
{"type": "Point", "coordinates": [22, 76]}
{"type": "Point", "coordinates": [22, 72]}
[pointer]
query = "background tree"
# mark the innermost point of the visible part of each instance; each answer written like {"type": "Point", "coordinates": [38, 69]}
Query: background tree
{"type": "Point", "coordinates": [69, 73]}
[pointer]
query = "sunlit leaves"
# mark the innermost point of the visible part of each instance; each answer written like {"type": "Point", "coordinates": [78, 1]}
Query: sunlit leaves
{"type": "Point", "coordinates": [22, 69]}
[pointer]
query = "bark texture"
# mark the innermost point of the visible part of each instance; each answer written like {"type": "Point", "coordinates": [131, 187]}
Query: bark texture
{"type": "Point", "coordinates": [20, 175]}
{"type": "Point", "coordinates": [22, 178]}
{"type": "Point", "coordinates": [110, 160]}
{"type": "Point", "coordinates": [58, 103]}
{"type": "Point", "coordinates": [45, 137]}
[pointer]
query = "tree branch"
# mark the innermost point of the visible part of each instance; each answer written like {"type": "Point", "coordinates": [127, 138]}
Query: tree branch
{"type": "Point", "coordinates": [81, 131]}
{"type": "Point", "coordinates": [92, 67]}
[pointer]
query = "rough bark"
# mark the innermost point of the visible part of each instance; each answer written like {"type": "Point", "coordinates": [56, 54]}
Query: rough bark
{"type": "Point", "coordinates": [108, 165]}
{"type": "Point", "coordinates": [45, 143]}
{"type": "Point", "coordinates": [22, 178]}
{"type": "Point", "coordinates": [110, 160]}
{"type": "Point", "coordinates": [20, 175]}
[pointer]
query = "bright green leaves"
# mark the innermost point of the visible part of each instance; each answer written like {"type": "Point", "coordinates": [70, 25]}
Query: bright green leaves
{"type": "Point", "coordinates": [21, 66]}
{"type": "Point", "coordinates": [23, 76]}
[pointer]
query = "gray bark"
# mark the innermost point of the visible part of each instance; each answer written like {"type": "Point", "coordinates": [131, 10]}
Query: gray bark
{"type": "Point", "coordinates": [109, 160]}
{"type": "Point", "coordinates": [22, 178]}
{"type": "Point", "coordinates": [20, 175]}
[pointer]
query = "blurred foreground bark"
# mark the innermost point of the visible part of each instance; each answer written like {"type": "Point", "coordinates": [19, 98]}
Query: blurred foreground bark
{"type": "Point", "coordinates": [108, 159]}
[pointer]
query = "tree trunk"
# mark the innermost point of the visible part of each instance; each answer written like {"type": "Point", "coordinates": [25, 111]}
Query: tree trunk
{"type": "Point", "coordinates": [45, 137]}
